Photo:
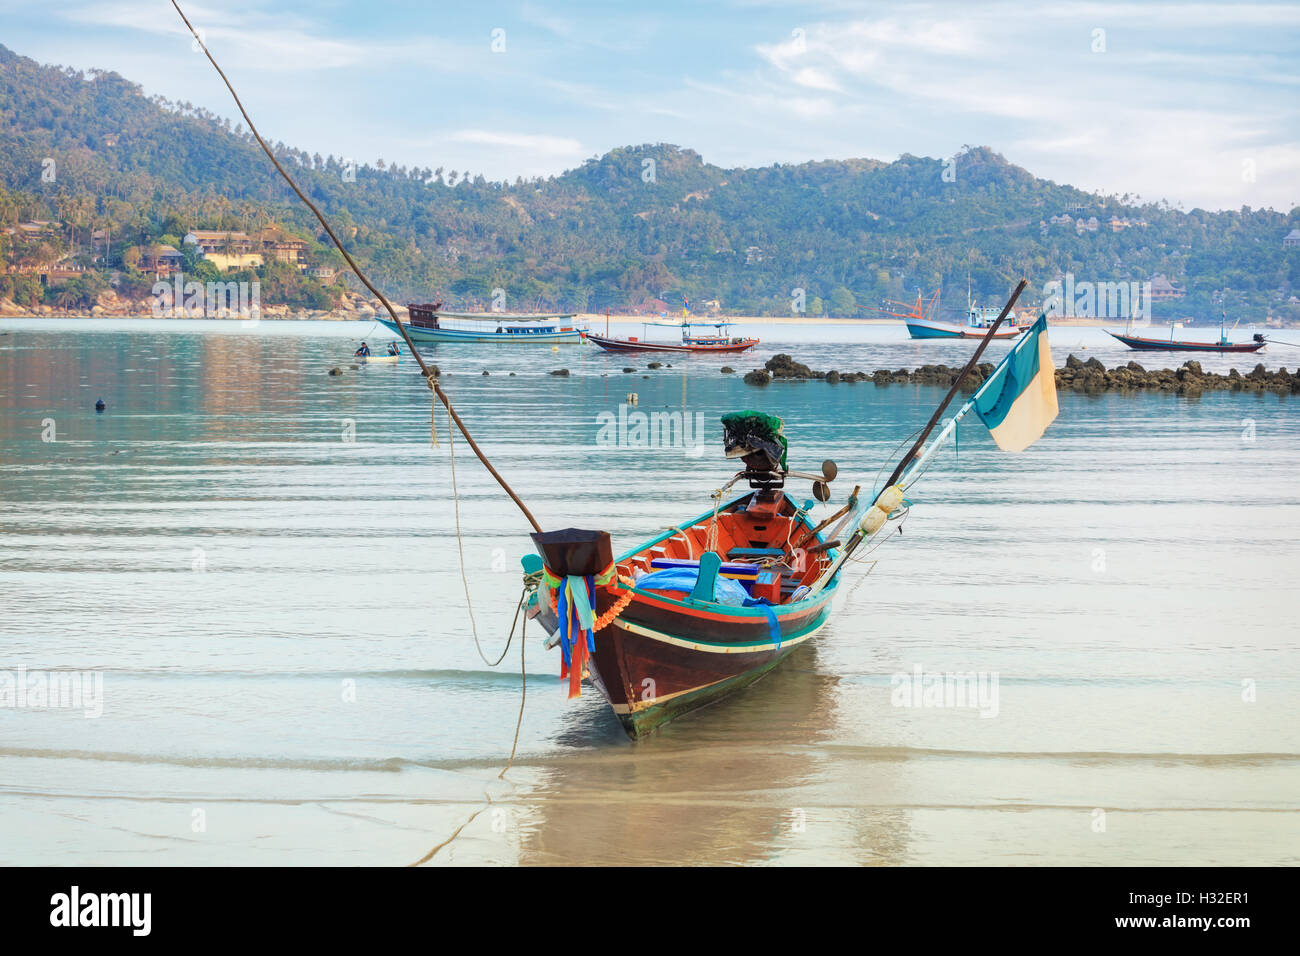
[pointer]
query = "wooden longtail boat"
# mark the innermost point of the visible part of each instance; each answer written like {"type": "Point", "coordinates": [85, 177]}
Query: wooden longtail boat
{"type": "Point", "coordinates": [703, 609]}
{"type": "Point", "coordinates": [1183, 345]}
{"type": "Point", "coordinates": [719, 341]}
{"type": "Point", "coordinates": [668, 650]}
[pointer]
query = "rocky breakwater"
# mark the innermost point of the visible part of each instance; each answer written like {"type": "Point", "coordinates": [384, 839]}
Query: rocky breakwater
{"type": "Point", "coordinates": [1076, 375]}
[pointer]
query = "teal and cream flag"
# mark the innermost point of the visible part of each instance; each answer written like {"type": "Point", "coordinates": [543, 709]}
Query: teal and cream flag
{"type": "Point", "coordinates": [1019, 400]}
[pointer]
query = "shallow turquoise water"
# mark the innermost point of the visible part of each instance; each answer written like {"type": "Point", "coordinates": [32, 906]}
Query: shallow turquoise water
{"type": "Point", "coordinates": [239, 536]}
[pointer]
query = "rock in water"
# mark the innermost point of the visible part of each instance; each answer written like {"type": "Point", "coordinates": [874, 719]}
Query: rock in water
{"type": "Point", "coordinates": [757, 377]}
{"type": "Point", "coordinates": [558, 371]}
{"type": "Point", "coordinates": [727, 370]}
{"type": "Point", "coordinates": [784, 366]}
{"type": "Point", "coordinates": [629, 369]}
{"type": "Point", "coordinates": [655, 365]}
{"type": "Point", "coordinates": [336, 370]}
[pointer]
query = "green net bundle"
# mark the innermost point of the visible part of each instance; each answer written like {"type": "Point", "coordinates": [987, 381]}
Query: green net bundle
{"type": "Point", "coordinates": [746, 432]}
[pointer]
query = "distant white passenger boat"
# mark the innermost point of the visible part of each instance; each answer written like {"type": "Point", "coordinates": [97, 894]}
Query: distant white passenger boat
{"type": "Point", "coordinates": [428, 323]}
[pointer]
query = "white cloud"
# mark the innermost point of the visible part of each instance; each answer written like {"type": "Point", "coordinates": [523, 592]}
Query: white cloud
{"type": "Point", "coordinates": [1163, 113]}
{"type": "Point", "coordinates": [551, 146]}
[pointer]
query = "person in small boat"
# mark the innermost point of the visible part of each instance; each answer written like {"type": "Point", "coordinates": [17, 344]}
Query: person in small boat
{"type": "Point", "coordinates": [392, 348]}
{"type": "Point", "coordinates": [363, 351]}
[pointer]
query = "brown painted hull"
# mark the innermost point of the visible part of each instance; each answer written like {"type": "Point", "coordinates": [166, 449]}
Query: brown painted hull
{"type": "Point", "coordinates": [657, 662]}
{"type": "Point", "coordinates": [666, 653]}
{"type": "Point", "coordinates": [625, 345]}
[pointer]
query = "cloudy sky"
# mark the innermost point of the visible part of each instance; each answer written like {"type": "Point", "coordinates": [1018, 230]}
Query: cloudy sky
{"type": "Point", "coordinates": [1196, 103]}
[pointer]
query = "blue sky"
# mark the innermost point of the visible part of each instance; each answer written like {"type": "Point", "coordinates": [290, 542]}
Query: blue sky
{"type": "Point", "coordinates": [1196, 103]}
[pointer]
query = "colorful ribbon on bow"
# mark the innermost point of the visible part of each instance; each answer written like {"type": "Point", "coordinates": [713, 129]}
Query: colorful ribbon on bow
{"type": "Point", "coordinates": [574, 598]}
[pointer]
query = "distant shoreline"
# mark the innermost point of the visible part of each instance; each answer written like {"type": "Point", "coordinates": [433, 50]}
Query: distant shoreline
{"type": "Point", "coordinates": [592, 320]}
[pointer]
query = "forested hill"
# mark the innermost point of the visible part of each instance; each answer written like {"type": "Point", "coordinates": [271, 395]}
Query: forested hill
{"type": "Point", "coordinates": [639, 223]}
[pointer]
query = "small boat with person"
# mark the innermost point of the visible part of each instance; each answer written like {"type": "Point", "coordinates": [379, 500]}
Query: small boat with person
{"type": "Point", "coordinates": [429, 323]}
{"type": "Point", "coordinates": [390, 356]}
{"type": "Point", "coordinates": [691, 341]}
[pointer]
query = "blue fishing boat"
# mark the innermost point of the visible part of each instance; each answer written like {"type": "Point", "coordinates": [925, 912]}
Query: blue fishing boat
{"type": "Point", "coordinates": [428, 323]}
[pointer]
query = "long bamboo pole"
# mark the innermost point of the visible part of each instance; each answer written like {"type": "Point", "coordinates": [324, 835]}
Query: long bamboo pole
{"type": "Point", "coordinates": [956, 385]}
{"type": "Point", "coordinates": [428, 375]}
{"type": "Point", "coordinates": [858, 537]}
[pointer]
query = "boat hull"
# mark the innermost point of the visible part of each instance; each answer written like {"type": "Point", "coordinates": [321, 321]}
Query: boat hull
{"type": "Point", "coordinates": [378, 359]}
{"type": "Point", "coordinates": [664, 653]}
{"type": "Point", "coordinates": [1165, 345]}
{"type": "Point", "coordinates": [624, 345]}
{"type": "Point", "coordinates": [449, 336]}
{"type": "Point", "coordinates": [660, 659]}
{"type": "Point", "coordinates": [928, 329]}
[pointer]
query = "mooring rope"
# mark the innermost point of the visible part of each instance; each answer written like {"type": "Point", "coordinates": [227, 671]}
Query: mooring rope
{"type": "Point", "coordinates": [352, 263]}
{"type": "Point", "coordinates": [711, 542]}
{"type": "Point", "coordinates": [439, 394]}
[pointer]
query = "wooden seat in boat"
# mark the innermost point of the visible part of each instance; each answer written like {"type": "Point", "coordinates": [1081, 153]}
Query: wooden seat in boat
{"type": "Point", "coordinates": [735, 553]}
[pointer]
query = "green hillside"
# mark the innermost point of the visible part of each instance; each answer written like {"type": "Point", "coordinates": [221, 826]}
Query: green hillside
{"type": "Point", "coordinates": [608, 234]}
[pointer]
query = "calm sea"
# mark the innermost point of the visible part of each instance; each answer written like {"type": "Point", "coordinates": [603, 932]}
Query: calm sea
{"type": "Point", "coordinates": [258, 562]}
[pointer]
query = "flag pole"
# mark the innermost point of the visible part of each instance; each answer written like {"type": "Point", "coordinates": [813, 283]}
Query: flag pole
{"type": "Point", "coordinates": [859, 535]}
{"type": "Point", "coordinates": [918, 465]}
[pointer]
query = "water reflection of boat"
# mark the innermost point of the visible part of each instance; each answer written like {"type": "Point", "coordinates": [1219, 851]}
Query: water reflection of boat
{"type": "Point", "coordinates": [668, 800]}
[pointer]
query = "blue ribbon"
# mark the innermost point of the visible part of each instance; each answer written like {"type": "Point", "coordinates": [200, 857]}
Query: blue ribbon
{"type": "Point", "coordinates": [582, 591]}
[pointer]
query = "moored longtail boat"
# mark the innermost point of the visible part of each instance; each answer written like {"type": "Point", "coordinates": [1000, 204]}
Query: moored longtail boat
{"type": "Point", "coordinates": [701, 610]}
{"type": "Point", "coordinates": [716, 602]}
{"type": "Point", "coordinates": [718, 341]}
{"type": "Point", "coordinates": [1171, 344]}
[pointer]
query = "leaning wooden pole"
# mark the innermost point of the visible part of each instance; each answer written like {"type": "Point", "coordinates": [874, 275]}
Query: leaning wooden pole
{"type": "Point", "coordinates": [956, 386]}
{"type": "Point", "coordinates": [859, 535]}
{"type": "Point", "coordinates": [401, 327]}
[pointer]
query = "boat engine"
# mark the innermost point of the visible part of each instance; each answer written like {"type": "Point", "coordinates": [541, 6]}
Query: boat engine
{"type": "Point", "coordinates": [757, 440]}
